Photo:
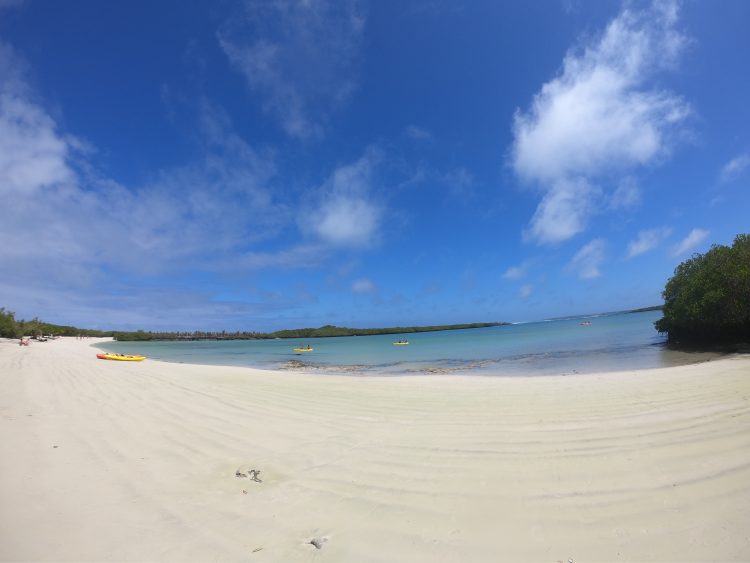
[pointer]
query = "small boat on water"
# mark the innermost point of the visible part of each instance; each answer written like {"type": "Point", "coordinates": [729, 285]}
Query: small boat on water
{"type": "Point", "coordinates": [301, 350]}
{"type": "Point", "coordinates": [121, 357]}
{"type": "Point", "coordinates": [586, 323]}
{"type": "Point", "coordinates": [401, 343]}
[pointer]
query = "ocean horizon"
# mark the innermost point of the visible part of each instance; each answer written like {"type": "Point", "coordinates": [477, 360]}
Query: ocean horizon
{"type": "Point", "coordinates": [578, 344]}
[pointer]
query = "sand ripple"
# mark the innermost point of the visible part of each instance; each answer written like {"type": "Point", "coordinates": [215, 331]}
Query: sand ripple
{"type": "Point", "coordinates": [641, 466]}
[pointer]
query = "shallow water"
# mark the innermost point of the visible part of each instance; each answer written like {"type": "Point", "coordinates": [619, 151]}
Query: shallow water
{"type": "Point", "coordinates": [563, 346]}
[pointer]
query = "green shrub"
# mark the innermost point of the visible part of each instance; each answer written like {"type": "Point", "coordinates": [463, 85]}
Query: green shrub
{"type": "Point", "coordinates": [8, 325]}
{"type": "Point", "coordinates": [707, 301]}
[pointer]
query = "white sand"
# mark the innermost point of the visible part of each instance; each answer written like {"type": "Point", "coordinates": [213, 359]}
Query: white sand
{"type": "Point", "coordinates": [119, 461]}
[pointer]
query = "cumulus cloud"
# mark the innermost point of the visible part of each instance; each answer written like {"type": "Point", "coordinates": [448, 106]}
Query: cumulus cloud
{"type": "Point", "coordinates": [734, 168]}
{"type": "Point", "coordinates": [691, 241]}
{"type": "Point", "coordinates": [647, 239]}
{"type": "Point", "coordinates": [599, 118]}
{"type": "Point", "coordinates": [563, 211]}
{"type": "Point", "coordinates": [363, 285]}
{"type": "Point", "coordinates": [299, 57]}
{"type": "Point", "coordinates": [33, 154]}
{"type": "Point", "coordinates": [347, 221]}
{"type": "Point", "coordinates": [347, 215]}
{"type": "Point", "coordinates": [588, 259]}
{"type": "Point", "coordinates": [36, 181]}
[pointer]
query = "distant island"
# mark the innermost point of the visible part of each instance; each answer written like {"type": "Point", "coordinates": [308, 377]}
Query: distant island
{"type": "Point", "coordinates": [10, 327]}
{"type": "Point", "coordinates": [646, 309]}
{"type": "Point", "coordinates": [609, 313]}
{"type": "Point", "coordinates": [321, 332]}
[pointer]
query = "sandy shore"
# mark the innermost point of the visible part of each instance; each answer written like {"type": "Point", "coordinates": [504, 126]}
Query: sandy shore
{"type": "Point", "coordinates": [137, 461]}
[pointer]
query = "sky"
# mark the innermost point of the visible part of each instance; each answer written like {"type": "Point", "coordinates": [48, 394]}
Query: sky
{"type": "Point", "coordinates": [258, 165]}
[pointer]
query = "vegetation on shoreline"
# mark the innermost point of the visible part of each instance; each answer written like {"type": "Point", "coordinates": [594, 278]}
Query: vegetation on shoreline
{"type": "Point", "coordinates": [707, 301]}
{"type": "Point", "coordinates": [10, 327]}
{"type": "Point", "coordinates": [647, 309]}
{"type": "Point", "coordinates": [323, 331]}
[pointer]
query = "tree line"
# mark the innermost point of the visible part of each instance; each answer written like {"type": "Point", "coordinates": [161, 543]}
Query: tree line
{"type": "Point", "coordinates": [320, 332]}
{"type": "Point", "coordinates": [10, 327]}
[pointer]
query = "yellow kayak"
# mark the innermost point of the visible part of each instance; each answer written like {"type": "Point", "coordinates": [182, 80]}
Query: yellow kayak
{"type": "Point", "coordinates": [300, 350]}
{"type": "Point", "coordinates": [121, 357]}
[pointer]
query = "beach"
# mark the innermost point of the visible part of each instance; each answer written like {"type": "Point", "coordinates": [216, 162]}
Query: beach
{"type": "Point", "coordinates": [133, 461]}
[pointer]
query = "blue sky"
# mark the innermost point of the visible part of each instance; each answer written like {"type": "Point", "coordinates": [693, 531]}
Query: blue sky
{"type": "Point", "coordinates": [269, 164]}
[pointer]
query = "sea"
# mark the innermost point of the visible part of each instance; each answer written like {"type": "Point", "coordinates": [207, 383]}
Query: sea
{"type": "Point", "coordinates": [565, 346]}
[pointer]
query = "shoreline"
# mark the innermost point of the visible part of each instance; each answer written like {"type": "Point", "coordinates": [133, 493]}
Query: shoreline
{"type": "Point", "coordinates": [543, 364]}
{"type": "Point", "coordinates": [488, 371]}
{"type": "Point", "coordinates": [139, 461]}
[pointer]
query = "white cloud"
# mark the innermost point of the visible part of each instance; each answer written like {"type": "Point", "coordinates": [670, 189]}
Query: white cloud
{"type": "Point", "coordinates": [69, 220]}
{"type": "Point", "coordinates": [517, 272]}
{"type": "Point", "coordinates": [116, 305]}
{"type": "Point", "coordinates": [460, 184]}
{"type": "Point", "coordinates": [694, 238]}
{"type": "Point", "coordinates": [199, 213]}
{"type": "Point", "coordinates": [418, 134]}
{"type": "Point", "coordinates": [514, 273]}
{"type": "Point", "coordinates": [647, 240]}
{"type": "Point", "coordinates": [570, 6]}
{"type": "Point", "coordinates": [347, 214]}
{"type": "Point", "coordinates": [70, 232]}
{"type": "Point", "coordinates": [563, 211]}
{"type": "Point", "coordinates": [11, 3]}
{"type": "Point", "coordinates": [626, 195]}
{"type": "Point", "coordinates": [735, 167]}
{"type": "Point", "coordinates": [298, 56]}
{"type": "Point", "coordinates": [598, 118]}
{"type": "Point", "coordinates": [525, 291]}
{"type": "Point", "coordinates": [363, 285]}
{"type": "Point", "coordinates": [303, 256]}
{"type": "Point", "coordinates": [32, 152]}
{"type": "Point", "coordinates": [588, 259]}
{"type": "Point", "coordinates": [211, 208]}
{"type": "Point", "coordinates": [348, 221]}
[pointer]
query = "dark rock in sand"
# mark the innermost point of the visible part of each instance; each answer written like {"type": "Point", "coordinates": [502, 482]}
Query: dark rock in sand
{"type": "Point", "coordinates": [318, 542]}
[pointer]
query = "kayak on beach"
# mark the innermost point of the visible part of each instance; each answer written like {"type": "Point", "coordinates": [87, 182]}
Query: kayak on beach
{"type": "Point", "coordinates": [121, 357]}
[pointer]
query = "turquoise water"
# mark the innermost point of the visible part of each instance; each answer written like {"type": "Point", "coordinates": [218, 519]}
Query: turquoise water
{"type": "Point", "coordinates": [564, 346]}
